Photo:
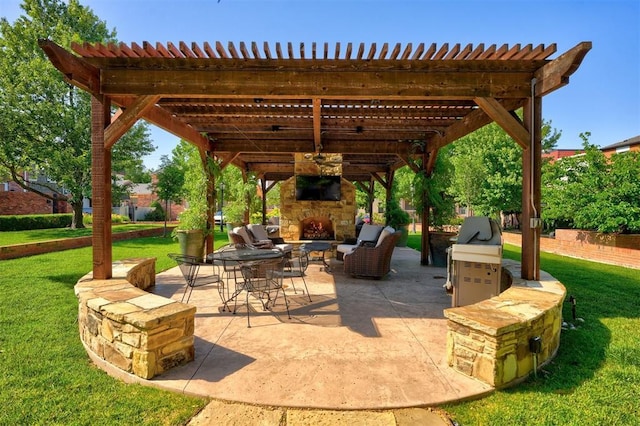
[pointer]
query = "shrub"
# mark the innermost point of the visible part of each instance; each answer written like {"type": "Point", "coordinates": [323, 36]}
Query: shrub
{"type": "Point", "coordinates": [34, 221]}
{"type": "Point", "coordinates": [155, 215]}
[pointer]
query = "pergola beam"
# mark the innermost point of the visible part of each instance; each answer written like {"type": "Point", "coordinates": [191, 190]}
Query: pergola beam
{"type": "Point", "coordinates": [124, 121]}
{"type": "Point", "coordinates": [508, 122]}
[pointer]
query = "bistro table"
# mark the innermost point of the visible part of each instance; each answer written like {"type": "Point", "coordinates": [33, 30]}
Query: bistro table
{"type": "Point", "coordinates": [232, 260]}
{"type": "Point", "coordinates": [320, 246]}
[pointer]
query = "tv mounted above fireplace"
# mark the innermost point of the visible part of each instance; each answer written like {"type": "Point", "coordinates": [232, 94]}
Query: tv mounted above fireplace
{"type": "Point", "coordinates": [317, 188]}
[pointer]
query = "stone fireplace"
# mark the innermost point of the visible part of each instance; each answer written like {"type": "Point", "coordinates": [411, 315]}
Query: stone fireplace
{"type": "Point", "coordinates": [337, 218]}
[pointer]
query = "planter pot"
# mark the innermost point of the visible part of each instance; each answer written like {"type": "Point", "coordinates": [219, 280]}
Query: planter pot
{"type": "Point", "coordinates": [439, 242]}
{"type": "Point", "coordinates": [402, 242]}
{"type": "Point", "coordinates": [191, 242]}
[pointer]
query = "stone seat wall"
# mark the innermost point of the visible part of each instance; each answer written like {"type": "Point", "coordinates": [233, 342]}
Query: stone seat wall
{"type": "Point", "coordinates": [123, 325]}
{"type": "Point", "coordinates": [489, 340]}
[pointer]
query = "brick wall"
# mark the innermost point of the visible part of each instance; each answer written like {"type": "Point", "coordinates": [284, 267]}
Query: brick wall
{"type": "Point", "coordinates": [18, 202]}
{"type": "Point", "coordinates": [612, 249]}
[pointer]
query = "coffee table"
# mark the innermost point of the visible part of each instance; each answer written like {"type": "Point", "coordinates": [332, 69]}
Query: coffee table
{"type": "Point", "coordinates": [320, 246]}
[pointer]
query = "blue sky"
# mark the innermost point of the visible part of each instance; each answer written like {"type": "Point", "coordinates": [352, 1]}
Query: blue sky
{"type": "Point", "coordinates": [603, 96]}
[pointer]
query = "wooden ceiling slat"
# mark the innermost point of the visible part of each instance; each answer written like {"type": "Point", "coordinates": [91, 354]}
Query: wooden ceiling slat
{"type": "Point", "coordinates": [418, 52]}
{"type": "Point", "coordinates": [453, 52]}
{"type": "Point", "coordinates": [210, 52]}
{"type": "Point", "coordinates": [255, 50]}
{"type": "Point", "coordinates": [523, 52]}
{"type": "Point", "coordinates": [396, 51]}
{"type": "Point", "coordinates": [511, 52]}
{"type": "Point", "coordinates": [383, 51]}
{"type": "Point", "coordinates": [186, 51]}
{"type": "Point", "coordinates": [429, 53]}
{"type": "Point", "coordinates": [464, 52]}
{"type": "Point", "coordinates": [548, 51]}
{"type": "Point", "coordinates": [442, 52]}
{"type": "Point", "coordinates": [244, 51]}
{"type": "Point", "coordinates": [372, 52]}
{"type": "Point", "coordinates": [138, 50]}
{"type": "Point", "coordinates": [500, 51]}
{"type": "Point", "coordinates": [104, 50]}
{"type": "Point", "coordinates": [302, 54]}
{"type": "Point", "coordinates": [290, 50]}
{"type": "Point", "coordinates": [347, 54]}
{"type": "Point", "coordinates": [337, 52]}
{"type": "Point", "coordinates": [221, 51]}
{"type": "Point", "coordinates": [476, 52]}
{"type": "Point", "coordinates": [174, 50]}
{"type": "Point", "coordinates": [162, 50]}
{"type": "Point", "coordinates": [83, 49]}
{"type": "Point", "coordinates": [197, 50]}
{"type": "Point", "coordinates": [279, 51]}
{"type": "Point", "coordinates": [266, 50]}
{"type": "Point", "coordinates": [488, 53]}
{"type": "Point", "coordinates": [407, 52]}
{"type": "Point", "coordinates": [232, 50]}
{"type": "Point", "coordinates": [313, 51]}
{"type": "Point", "coordinates": [360, 54]}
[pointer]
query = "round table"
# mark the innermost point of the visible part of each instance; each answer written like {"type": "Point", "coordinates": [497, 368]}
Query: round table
{"type": "Point", "coordinates": [320, 246]}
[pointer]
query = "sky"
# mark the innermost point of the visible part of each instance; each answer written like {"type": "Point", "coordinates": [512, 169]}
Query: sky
{"type": "Point", "coordinates": [602, 97]}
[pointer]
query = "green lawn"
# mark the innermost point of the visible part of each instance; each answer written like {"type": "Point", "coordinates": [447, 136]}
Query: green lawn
{"type": "Point", "coordinates": [47, 378]}
{"type": "Point", "coordinates": [37, 235]}
{"type": "Point", "coordinates": [595, 378]}
{"type": "Point", "coordinates": [45, 374]}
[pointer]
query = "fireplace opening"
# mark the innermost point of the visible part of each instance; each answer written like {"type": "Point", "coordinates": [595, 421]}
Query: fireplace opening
{"type": "Point", "coordinates": [316, 228]}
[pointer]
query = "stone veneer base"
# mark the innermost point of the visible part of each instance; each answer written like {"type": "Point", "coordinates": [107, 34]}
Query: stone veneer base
{"type": "Point", "coordinates": [135, 331]}
{"type": "Point", "coordinates": [489, 340]}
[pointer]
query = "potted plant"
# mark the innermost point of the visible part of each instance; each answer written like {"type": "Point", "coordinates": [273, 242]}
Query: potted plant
{"type": "Point", "coordinates": [398, 219]}
{"type": "Point", "coordinates": [192, 223]}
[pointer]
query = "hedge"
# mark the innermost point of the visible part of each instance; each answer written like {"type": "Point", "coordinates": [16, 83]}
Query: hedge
{"type": "Point", "coordinates": [35, 221]}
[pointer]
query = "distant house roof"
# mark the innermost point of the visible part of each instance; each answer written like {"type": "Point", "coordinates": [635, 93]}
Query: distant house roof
{"type": "Point", "coordinates": [627, 142]}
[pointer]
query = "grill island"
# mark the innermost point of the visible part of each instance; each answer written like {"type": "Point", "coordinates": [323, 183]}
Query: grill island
{"type": "Point", "coordinates": [474, 262]}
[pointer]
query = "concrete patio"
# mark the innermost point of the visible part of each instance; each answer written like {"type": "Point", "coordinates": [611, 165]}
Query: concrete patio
{"type": "Point", "coordinates": [359, 344]}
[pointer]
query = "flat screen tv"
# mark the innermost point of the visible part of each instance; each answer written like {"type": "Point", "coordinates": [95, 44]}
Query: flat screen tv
{"type": "Point", "coordinates": [317, 188]}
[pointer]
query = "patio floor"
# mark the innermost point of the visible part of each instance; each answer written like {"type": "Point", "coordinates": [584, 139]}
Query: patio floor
{"type": "Point", "coordinates": [360, 344]}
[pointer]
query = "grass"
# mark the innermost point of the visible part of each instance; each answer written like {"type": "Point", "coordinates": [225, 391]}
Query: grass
{"type": "Point", "coordinates": [595, 378]}
{"type": "Point", "coordinates": [46, 376]}
{"type": "Point", "coordinates": [37, 235]}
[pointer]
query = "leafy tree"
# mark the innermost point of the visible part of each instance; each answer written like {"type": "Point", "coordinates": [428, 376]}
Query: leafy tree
{"type": "Point", "coordinates": [45, 123]}
{"type": "Point", "coordinates": [169, 184]}
{"type": "Point", "coordinates": [591, 191]}
{"type": "Point", "coordinates": [487, 165]}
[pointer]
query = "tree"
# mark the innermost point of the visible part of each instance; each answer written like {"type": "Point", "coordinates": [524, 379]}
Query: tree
{"type": "Point", "coordinates": [591, 191]}
{"type": "Point", "coordinates": [169, 185]}
{"type": "Point", "coordinates": [487, 175]}
{"type": "Point", "coordinates": [45, 123]}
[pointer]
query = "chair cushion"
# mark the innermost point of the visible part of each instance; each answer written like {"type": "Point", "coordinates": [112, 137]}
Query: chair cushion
{"type": "Point", "coordinates": [258, 231]}
{"type": "Point", "coordinates": [384, 234]}
{"type": "Point", "coordinates": [346, 248]}
{"type": "Point", "coordinates": [244, 233]}
{"type": "Point", "coordinates": [369, 233]}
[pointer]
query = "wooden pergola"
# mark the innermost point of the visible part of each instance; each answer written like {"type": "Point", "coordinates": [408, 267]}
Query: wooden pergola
{"type": "Point", "coordinates": [256, 107]}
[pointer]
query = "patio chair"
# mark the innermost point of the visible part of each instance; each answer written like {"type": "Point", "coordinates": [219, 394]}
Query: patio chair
{"type": "Point", "coordinates": [295, 267]}
{"type": "Point", "coordinates": [263, 280]}
{"type": "Point", "coordinates": [190, 267]}
{"type": "Point", "coordinates": [372, 262]}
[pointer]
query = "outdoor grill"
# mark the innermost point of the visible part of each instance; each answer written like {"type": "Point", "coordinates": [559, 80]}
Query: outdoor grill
{"type": "Point", "coordinates": [474, 261]}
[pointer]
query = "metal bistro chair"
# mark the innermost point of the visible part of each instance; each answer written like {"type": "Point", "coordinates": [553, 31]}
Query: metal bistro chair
{"type": "Point", "coordinates": [295, 267]}
{"type": "Point", "coordinates": [190, 266]}
{"type": "Point", "coordinates": [262, 279]}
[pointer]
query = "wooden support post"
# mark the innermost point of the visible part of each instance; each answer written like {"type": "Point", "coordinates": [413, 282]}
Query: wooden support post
{"type": "Point", "coordinates": [101, 189]}
{"type": "Point", "coordinates": [424, 242]}
{"type": "Point", "coordinates": [370, 198]}
{"type": "Point", "coordinates": [263, 186]}
{"type": "Point", "coordinates": [206, 157]}
{"type": "Point", "coordinates": [531, 195]}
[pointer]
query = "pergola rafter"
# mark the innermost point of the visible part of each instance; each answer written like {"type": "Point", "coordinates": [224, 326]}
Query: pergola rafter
{"type": "Point", "coordinates": [380, 107]}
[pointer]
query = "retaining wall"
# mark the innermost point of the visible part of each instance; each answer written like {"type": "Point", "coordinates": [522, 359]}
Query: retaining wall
{"type": "Point", "coordinates": [612, 249]}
